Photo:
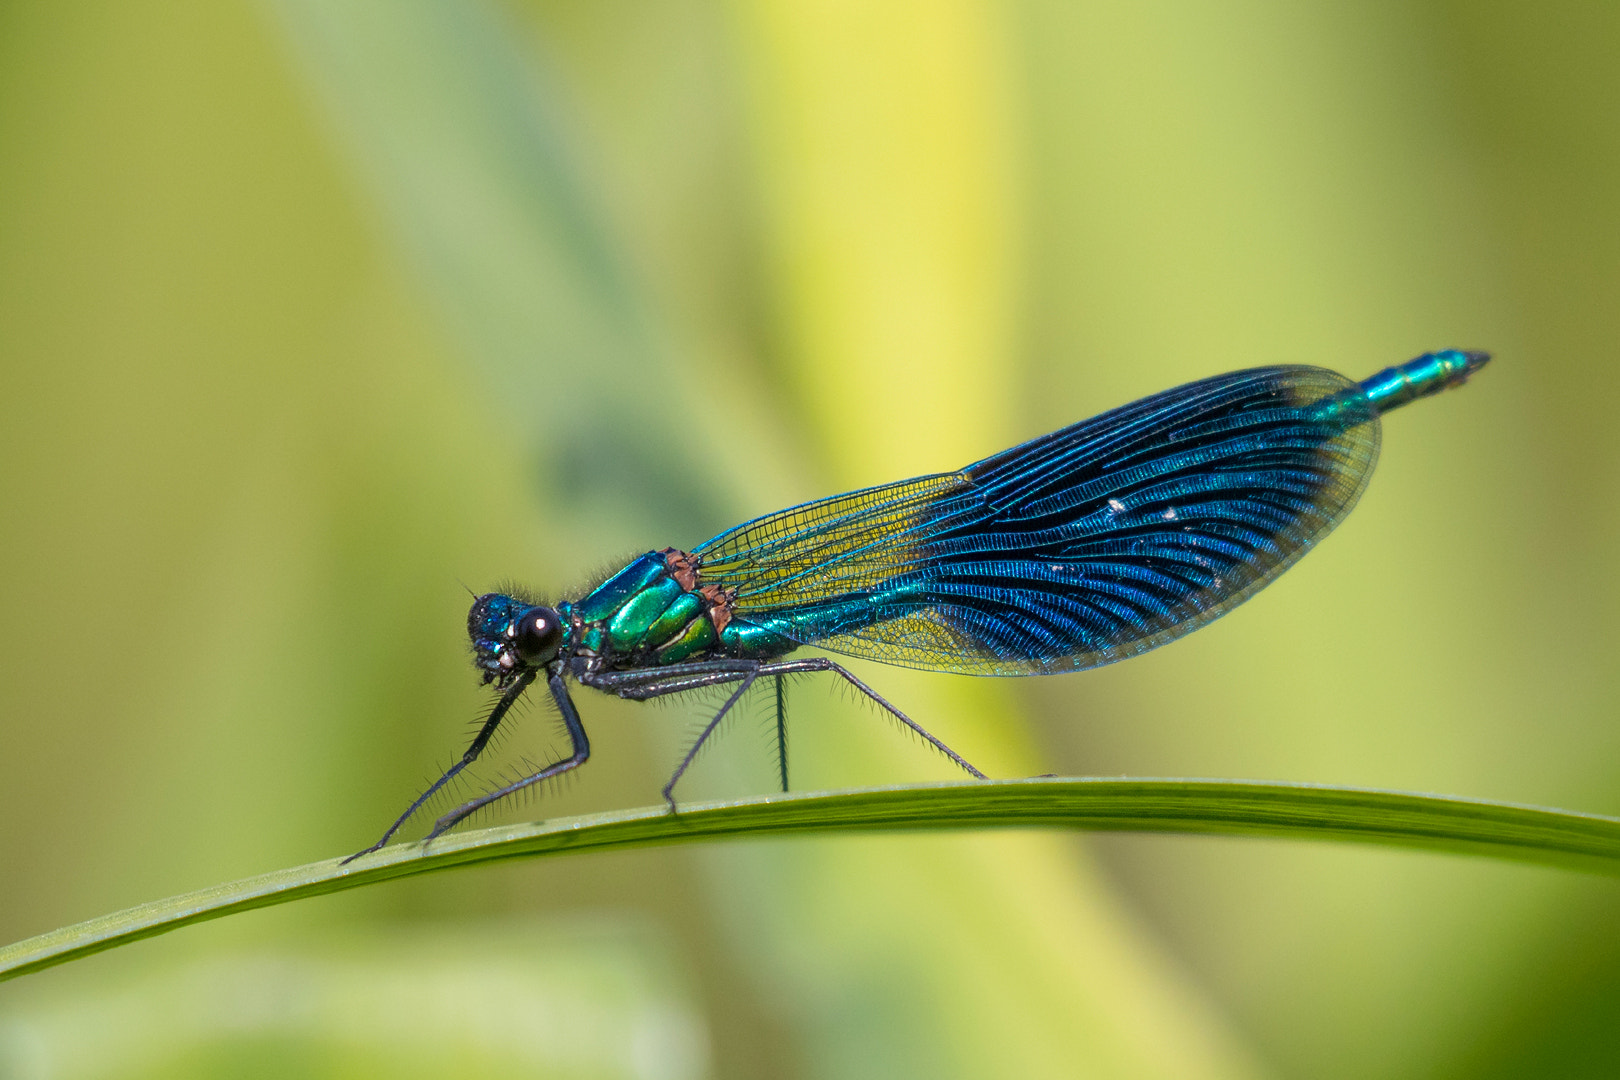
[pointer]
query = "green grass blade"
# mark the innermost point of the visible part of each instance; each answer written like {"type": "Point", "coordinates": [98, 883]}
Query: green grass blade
{"type": "Point", "coordinates": [1236, 808]}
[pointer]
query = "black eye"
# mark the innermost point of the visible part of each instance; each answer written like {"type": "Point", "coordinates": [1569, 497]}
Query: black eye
{"type": "Point", "coordinates": [539, 633]}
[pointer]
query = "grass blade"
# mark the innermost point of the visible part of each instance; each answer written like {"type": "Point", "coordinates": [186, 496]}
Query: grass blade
{"type": "Point", "coordinates": [1235, 808]}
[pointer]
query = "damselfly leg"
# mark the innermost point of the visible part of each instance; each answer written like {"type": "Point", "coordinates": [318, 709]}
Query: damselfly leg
{"type": "Point", "coordinates": [781, 731]}
{"type": "Point", "coordinates": [582, 753]}
{"type": "Point", "coordinates": [644, 684]}
{"type": "Point", "coordinates": [481, 740]}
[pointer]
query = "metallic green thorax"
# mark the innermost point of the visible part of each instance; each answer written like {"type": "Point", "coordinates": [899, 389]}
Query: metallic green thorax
{"type": "Point", "coordinates": [654, 612]}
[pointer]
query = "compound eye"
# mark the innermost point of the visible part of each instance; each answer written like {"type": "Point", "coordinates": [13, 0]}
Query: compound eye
{"type": "Point", "coordinates": [539, 635]}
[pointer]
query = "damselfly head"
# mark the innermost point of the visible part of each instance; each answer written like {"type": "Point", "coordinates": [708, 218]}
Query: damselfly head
{"type": "Point", "coordinates": [510, 636]}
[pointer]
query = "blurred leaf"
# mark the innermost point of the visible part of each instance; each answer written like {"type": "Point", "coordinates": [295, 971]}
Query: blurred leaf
{"type": "Point", "coordinates": [462, 141]}
{"type": "Point", "coordinates": [600, 998]}
{"type": "Point", "coordinates": [1442, 823]}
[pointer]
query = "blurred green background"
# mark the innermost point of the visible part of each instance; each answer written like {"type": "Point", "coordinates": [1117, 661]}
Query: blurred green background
{"type": "Point", "coordinates": [311, 312]}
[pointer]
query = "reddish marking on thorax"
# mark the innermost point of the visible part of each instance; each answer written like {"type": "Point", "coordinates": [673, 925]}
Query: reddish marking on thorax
{"type": "Point", "coordinates": [720, 600]}
{"type": "Point", "coordinates": [684, 569]}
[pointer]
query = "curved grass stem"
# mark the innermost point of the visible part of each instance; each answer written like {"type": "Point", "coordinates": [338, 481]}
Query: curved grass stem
{"type": "Point", "coordinates": [1227, 807]}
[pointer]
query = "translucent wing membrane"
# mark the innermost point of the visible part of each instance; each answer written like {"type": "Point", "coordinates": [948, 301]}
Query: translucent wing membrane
{"type": "Point", "coordinates": [1085, 546]}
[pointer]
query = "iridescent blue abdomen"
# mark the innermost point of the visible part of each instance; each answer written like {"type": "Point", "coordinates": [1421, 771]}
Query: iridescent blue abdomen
{"type": "Point", "coordinates": [1428, 374]}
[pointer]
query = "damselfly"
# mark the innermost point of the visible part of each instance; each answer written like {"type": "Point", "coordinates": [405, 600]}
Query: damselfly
{"type": "Point", "coordinates": [1089, 545]}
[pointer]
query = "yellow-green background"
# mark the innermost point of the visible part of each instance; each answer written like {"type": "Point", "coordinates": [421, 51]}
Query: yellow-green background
{"type": "Point", "coordinates": [312, 312]}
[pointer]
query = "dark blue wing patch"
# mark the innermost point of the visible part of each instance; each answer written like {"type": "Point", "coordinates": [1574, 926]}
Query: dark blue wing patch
{"type": "Point", "coordinates": [1089, 545]}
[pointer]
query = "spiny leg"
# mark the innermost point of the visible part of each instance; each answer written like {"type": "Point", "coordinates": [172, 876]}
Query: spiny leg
{"type": "Point", "coordinates": [645, 684]}
{"type": "Point", "coordinates": [691, 755]}
{"type": "Point", "coordinates": [582, 751]}
{"type": "Point", "coordinates": [781, 732]}
{"type": "Point", "coordinates": [648, 683]}
{"type": "Point", "coordinates": [821, 663]}
{"type": "Point", "coordinates": [480, 741]}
